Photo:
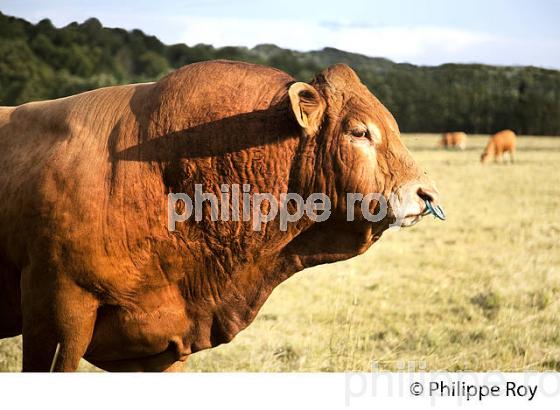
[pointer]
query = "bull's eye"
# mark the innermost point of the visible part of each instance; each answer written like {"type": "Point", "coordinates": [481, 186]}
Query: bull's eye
{"type": "Point", "coordinates": [360, 133]}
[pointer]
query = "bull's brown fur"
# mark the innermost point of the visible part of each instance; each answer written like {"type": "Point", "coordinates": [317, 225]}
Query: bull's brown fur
{"type": "Point", "coordinates": [83, 220]}
{"type": "Point", "coordinates": [500, 143]}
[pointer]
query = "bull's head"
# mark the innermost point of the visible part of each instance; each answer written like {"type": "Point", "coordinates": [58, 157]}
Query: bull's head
{"type": "Point", "coordinates": [358, 149]}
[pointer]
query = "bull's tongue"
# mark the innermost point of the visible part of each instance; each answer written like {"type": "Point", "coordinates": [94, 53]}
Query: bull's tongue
{"type": "Point", "coordinates": [436, 211]}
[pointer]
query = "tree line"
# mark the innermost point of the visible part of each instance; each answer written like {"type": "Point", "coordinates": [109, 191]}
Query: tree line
{"type": "Point", "coordinates": [40, 61]}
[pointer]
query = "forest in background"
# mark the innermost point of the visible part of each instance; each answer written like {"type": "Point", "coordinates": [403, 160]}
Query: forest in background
{"type": "Point", "coordinates": [40, 61]}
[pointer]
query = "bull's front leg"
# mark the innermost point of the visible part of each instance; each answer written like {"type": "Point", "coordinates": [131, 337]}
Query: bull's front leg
{"type": "Point", "coordinates": [56, 312]}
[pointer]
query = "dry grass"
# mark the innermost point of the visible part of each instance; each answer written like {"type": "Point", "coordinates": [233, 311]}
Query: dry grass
{"type": "Point", "coordinates": [479, 292]}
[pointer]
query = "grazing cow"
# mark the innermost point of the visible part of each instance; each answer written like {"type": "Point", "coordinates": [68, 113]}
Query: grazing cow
{"type": "Point", "coordinates": [454, 140]}
{"type": "Point", "coordinates": [88, 266]}
{"type": "Point", "coordinates": [500, 143]}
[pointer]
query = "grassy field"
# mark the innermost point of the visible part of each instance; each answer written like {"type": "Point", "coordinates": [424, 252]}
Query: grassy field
{"type": "Point", "coordinates": [479, 292]}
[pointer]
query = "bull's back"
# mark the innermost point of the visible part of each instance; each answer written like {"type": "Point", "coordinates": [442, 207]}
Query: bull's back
{"type": "Point", "coordinates": [50, 152]}
{"type": "Point", "coordinates": [505, 140]}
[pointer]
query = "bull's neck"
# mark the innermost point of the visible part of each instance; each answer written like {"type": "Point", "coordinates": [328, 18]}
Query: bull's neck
{"type": "Point", "coordinates": [226, 269]}
{"type": "Point", "coordinates": [234, 266]}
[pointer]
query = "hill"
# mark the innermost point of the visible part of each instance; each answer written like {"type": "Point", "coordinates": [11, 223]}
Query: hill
{"type": "Point", "coordinates": [40, 61]}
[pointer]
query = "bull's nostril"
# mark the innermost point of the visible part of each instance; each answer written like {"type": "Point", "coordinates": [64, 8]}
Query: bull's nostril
{"type": "Point", "coordinates": [425, 195]}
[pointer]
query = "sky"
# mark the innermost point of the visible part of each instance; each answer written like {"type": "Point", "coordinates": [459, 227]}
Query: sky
{"type": "Point", "coordinates": [515, 32]}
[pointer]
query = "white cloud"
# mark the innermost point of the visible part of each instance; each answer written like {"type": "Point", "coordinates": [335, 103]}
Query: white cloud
{"type": "Point", "coordinates": [406, 43]}
{"type": "Point", "coordinates": [399, 43]}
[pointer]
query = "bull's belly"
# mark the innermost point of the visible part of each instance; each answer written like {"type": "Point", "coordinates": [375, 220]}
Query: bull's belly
{"type": "Point", "coordinates": [154, 329]}
{"type": "Point", "coordinates": [156, 363]}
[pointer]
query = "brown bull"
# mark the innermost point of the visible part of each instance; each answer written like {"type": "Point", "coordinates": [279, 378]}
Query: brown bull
{"type": "Point", "coordinates": [454, 140]}
{"type": "Point", "coordinates": [500, 143]}
{"type": "Point", "coordinates": [87, 261]}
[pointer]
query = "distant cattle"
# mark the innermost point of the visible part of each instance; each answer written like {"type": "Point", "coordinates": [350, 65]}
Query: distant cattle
{"type": "Point", "coordinates": [457, 140]}
{"type": "Point", "coordinates": [500, 143]}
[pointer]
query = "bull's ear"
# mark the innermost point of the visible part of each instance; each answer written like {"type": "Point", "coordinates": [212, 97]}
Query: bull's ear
{"type": "Point", "coordinates": [308, 106]}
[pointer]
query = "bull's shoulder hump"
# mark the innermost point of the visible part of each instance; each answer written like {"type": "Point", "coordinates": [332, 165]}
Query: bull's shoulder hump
{"type": "Point", "coordinates": [225, 72]}
{"type": "Point", "coordinates": [235, 67]}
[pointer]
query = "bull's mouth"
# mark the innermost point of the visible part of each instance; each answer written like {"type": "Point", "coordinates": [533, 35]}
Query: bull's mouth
{"type": "Point", "coordinates": [411, 220]}
{"type": "Point", "coordinates": [429, 209]}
